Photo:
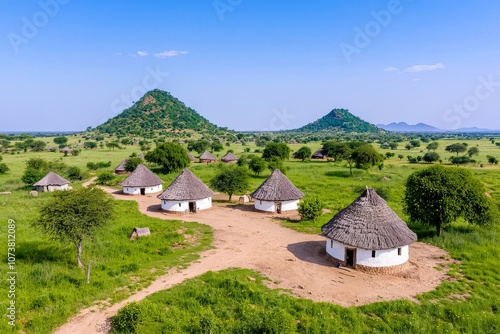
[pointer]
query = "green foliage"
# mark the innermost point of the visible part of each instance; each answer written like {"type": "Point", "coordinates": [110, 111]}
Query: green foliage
{"type": "Point", "coordinates": [199, 146]}
{"type": "Point", "coordinates": [474, 150]}
{"type": "Point", "coordinates": [73, 216]}
{"type": "Point", "coordinates": [60, 140]}
{"type": "Point", "coordinates": [38, 145]}
{"type": "Point", "coordinates": [216, 146]}
{"type": "Point", "coordinates": [112, 145]}
{"type": "Point", "coordinates": [105, 177]}
{"type": "Point", "coordinates": [415, 143]}
{"type": "Point", "coordinates": [365, 156]}
{"type": "Point", "coordinates": [127, 319]}
{"type": "Point", "coordinates": [337, 150]}
{"type": "Point", "coordinates": [310, 208]}
{"type": "Point", "coordinates": [132, 164]}
{"type": "Point", "coordinates": [230, 179]}
{"type": "Point", "coordinates": [456, 148]}
{"type": "Point", "coordinates": [36, 168]}
{"type": "Point", "coordinates": [431, 157]}
{"type": "Point", "coordinates": [90, 145]}
{"type": "Point", "coordinates": [75, 152]}
{"type": "Point", "coordinates": [3, 168]}
{"type": "Point", "coordinates": [432, 146]}
{"type": "Point", "coordinates": [438, 196]}
{"type": "Point", "coordinates": [276, 163]}
{"type": "Point", "coordinates": [492, 160]}
{"type": "Point", "coordinates": [340, 120]}
{"type": "Point", "coordinates": [303, 153]}
{"type": "Point", "coordinates": [74, 173]}
{"type": "Point", "coordinates": [393, 145]}
{"type": "Point", "coordinates": [257, 165]}
{"type": "Point", "coordinates": [170, 156]}
{"type": "Point", "coordinates": [460, 160]}
{"type": "Point", "coordinates": [276, 150]}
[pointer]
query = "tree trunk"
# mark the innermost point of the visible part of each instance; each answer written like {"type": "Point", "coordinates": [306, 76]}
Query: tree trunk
{"type": "Point", "coordinates": [230, 195]}
{"type": "Point", "coordinates": [438, 228]}
{"type": "Point", "coordinates": [79, 253]}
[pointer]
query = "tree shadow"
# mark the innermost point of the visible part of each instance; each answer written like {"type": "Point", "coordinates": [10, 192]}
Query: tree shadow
{"type": "Point", "coordinates": [38, 252]}
{"type": "Point", "coordinates": [310, 251]}
{"type": "Point", "coordinates": [342, 173]}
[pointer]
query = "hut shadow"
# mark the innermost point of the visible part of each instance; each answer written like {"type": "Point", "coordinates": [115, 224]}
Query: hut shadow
{"type": "Point", "coordinates": [243, 207]}
{"type": "Point", "coordinates": [154, 208]}
{"type": "Point", "coordinates": [310, 251]}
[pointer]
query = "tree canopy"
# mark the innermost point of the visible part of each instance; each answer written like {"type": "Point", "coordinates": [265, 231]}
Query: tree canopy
{"type": "Point", "coordinates": [170, 156]}
{"type": "Point", "coordinates": [303, 153]}
{"type": "Point", "coordinates": [76, 215]}
{"type": "Point", "coordinates": [230, 179]}
{"type": "Point", "coordinates": [276, 150]}
{"type": "Point", "coordinates": [456, 148]}
{"type": "Point", "coordinates": [257, 165]}
{"type": "Point", "coordinates": [438, 196]}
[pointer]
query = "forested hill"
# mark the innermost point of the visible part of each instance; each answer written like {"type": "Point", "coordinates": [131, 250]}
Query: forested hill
{"type": "Point", "coordinates": [340, 120]}
{"type": "Point", "coordinates": [158, 112]}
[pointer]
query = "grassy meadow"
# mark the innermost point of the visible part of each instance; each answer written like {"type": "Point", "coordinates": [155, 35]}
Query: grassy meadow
{"type": "Point", "coordinates": [50, 287]}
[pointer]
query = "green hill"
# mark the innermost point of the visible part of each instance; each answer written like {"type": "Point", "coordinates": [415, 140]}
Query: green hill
{"type": "Point", "coordinates": [340, 120]}
{"type": "Point", "coordinates": [158, 112]}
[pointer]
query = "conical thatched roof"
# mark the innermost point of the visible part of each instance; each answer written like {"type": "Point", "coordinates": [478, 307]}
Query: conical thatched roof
{"type": "Point", "coordinates": [207, 156]}
{"type": "Point", "coordinates": [141, 177]}
{"type": "Point", "coordinates": [319, 154]}
{"type": "Point", "coordinates": [229, 157]}
{"type": "Point", "coordinates": [191, 157]}
{"type": "Point", "coordinates": [52, 179]}
{"type": "Point", "coordinates": [186, 186]}
{"type": "Point", "coordinates": [121, 166]}
{"type": "Point", "coordinates": [369, 223]}
{"type": "Point", "coordinates": [277, 188]}
{"type": "Point", "coordinates": [141, 156]}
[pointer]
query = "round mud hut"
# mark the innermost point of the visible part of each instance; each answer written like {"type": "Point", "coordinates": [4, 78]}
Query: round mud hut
{"type": "Point", "coordinates": [229, 158]}
{"type": "Point", "coordinates": [142, 181]}
{"type": "Point", "coordinates": [51, 182]}
{"type": "Point", "coordinates": [186, 193]}
{"type": "Point", "coordinates": [276, 194]}
{"type": "Point", "coordinates": [369, 236]}
{"type": "Point", "coordinates": [207, 157]}
{"type": "Point", "coordinates": [191, 157]}
{"type": "Point", "coordinates": [120, 169]}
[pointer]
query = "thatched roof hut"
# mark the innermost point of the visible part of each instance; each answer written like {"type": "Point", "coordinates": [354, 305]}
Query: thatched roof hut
{"type": "Point", "coordinates": [120, 169]}
{"type": "Point", "coordinates": [191, 157]}
{"type": "Point", "coordinates": [66, 150]}
{"type": "Point", "coordinates": [277, 194]}
{"type": "Point", "coordinates": [51, 182]}
{"type": "Point", "coordinates": [229, 157]}
{"type": "Point", "coordinates": [366, 227]}
{"type": "Point", "coordinates": [207, 157]}
{"type": "Point", "coordinates": [319, 154]}
{"type": "Point", "coordinates": [141, 156]}
{"type": "Point", "coordinates": [186, 193]}
{"type": "Point", "coordinates": [142, 181]}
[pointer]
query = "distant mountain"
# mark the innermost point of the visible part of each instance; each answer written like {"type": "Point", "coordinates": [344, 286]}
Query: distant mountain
{"type": "Point", "coordinates": [159, 112]}
{"type": "Point", "coordinates": [340, 120]}
{"type": "Point", "coordinates": [474, 129]}
{"type": "Point", "coordinates": [405, 127]}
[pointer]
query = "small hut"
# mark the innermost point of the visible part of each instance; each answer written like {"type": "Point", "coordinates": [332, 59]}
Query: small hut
{"type": "Point", "coordinates": [120, 169]}
{"type": "Point", "coordinates": [276, 194]}
{"type": "Point", "coordinates": [142, 181]}
{"type": "Point", "coordinates": [141, 156]}
{"type": "Point", "coordinates": [191, 157]}
{"type": "Point", "coordinates": [319, 154]}
{"type": "Point", "coordinates": [51, 182]}
{"type": "Point", "coordinates": [207, 157]}
{"type": "Point", "coordinates": [139, 232]}
{"type": "Point", "coordinates": [66, 150]}
{"type": "Point", "coordinates": [186, 193]}
{"type": "Point", "coordinates": [229, 158]}
{"type": "Point", "coordinates": [369, 236]}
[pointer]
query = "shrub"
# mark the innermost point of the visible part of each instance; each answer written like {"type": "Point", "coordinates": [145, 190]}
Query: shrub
{"type": "Point", "coordinates": [3, 168]}
{"type": "Point", "coordinates": [127, 319]}
{"type": "Point", "coordinates": [310, 208]}
{"type": "Point", "coordinates": [105, 178]}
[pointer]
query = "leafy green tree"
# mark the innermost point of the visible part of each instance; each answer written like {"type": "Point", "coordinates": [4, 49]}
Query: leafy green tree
{"type": "Point", "coordinates": [112, 145]}
{"type": "Point", "coordinates": [460, 160]}
{"type": "Point", "coordinates": [257, 165]}
{"type": "Point", "coordinates": [456, 148]}
{"type": "Point", "coordinates": [415, 143]}
{"type": "Point", "coordinates": [400, 156]}
{"type": "Point", "coordinates": [432, 146]}
{"type": "Point", "coordinates": [38, 145]}
{"type": "Point", "coordinates": [389, 154]}
{"type": "Point", "coordinates": [365, 156]}
{"type": "Point", "coordinates": [472, 151]}
{"type": "Point", "coordinates": [431, 157]}
{"type": "Point", "coordinates": [230, 179]}
{"type": "Point", "coordinates": [170, 156]}
{"type": "Point", "coordinates": [75, 152]}
{"type": "Point", "coordinates": [73, 216]}
{"type": "Point", "coordinates": [276, 163]}
{"type": "Point", "coordinates": [303, 153]}
{"type": "Point", "coordinates": [5, 143]}
{"type": "Point", "coordinates": [199, 146]}
{"type": "Point", "coordinates": [438, 196]}
{"type": "Point", "coordinates": [337, 150]}
{"type": "Point", "coordinates": [74, 173]}
{"type": "Point", "coordinates": [310, 208]}
{"type": "Point", "coordinates": [276, 150]}
{"type": "Point", "coordinates": [36, 168]}
{"type": "Point", "coordinates": [217, 146]}
{"type": "Point", "coordinates": [132, 164]}
{"type": "Point", "coordinates": [90, 145]}
{"type": "Point", "coordinates": [393, 146]}
{"type": "Point", "coordinates": [3, 168]}
{"type": "Point", "coordinates": [105, 178]}
{"type": "Point", "coordinates": [60, 140]}
{"type": "Point", "coordinates": [492, 160]}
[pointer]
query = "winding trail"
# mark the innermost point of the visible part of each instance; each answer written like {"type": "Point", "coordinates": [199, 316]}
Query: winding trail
{"type": "Point", "coordinates": [244, 238]}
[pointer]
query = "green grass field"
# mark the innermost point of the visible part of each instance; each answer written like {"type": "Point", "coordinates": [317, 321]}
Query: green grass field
{"type": "Point", "coordinates": [50, 288]}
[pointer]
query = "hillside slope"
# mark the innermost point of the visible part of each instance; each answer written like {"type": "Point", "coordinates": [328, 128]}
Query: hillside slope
{"type": "Point", "coordinates": [340, 120]}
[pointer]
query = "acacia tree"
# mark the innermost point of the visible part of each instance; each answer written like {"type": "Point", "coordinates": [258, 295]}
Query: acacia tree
{"type": "Point", "coordinates": [437, 196]}
{"type": "Point", "coordinates": [73, 216]}
{"type": "Point", "coordinates": [230, 179]}
{"type": "Point", "coordinates": [257, 165]}
{"type": "Point", "coordinates": [456, 148]}
{"type": "Point", "coordinates": [472, 151]}
{"type": "Point", "coordinates": [171, 156]}
{"type": "Point", "coordinates": [432, 146]}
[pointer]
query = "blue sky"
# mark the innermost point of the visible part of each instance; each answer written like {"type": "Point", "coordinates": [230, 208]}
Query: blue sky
{"type": "Point", "coordinates": [251, 64]}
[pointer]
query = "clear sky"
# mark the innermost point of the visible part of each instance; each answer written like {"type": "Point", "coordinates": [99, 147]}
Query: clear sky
{"type": "Point", "coordinates": [251, 64]}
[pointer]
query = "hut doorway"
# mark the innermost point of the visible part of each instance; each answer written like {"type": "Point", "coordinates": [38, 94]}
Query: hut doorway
{"type": "Point", "coordinates": [350, 257]}
{"type": "Point", "coordinates": [143, 191]}
{"type": "Point", "coordinates": [192, 207]}
{"type": "Point", "coordinates": [278, 207]}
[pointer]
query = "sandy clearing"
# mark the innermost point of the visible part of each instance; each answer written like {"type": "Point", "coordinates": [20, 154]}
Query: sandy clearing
{"type": "Point", "coordinates": [247, 239]}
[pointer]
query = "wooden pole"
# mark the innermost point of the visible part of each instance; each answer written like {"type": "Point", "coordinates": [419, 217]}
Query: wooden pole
{"type": "Point", "coordinates": [88, 273]}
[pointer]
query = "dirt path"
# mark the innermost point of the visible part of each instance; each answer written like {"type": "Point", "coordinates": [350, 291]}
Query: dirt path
{"type": "Point", "coordinates": [248, 239]}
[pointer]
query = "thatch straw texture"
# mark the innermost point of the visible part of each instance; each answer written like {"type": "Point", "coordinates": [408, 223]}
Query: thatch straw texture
{"type": "Point", "coordinates": [369, 223]}
{"type": "Point", "coordinates": [277, 188]}
{"type": "Point", "coordinates": [51, 179]}
{"type": "Point", "coordinates": [207, 156]}
{"type": "Point", "coordinates": [121, 167]}
{"type": "Point", "coordinates": [229, 157]}
{"type": "Point", "coordinates": [191, 157]}
{"type": "Point", "coordinates": [319, 154]}
{"type": "Point", "coordinates": [185, 187]}
{"type": "Point", "coordinates": [141, 177]}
